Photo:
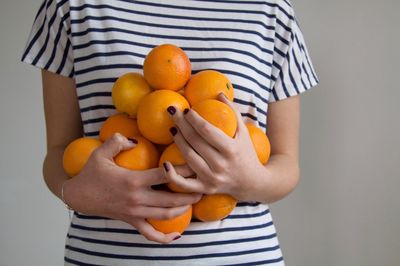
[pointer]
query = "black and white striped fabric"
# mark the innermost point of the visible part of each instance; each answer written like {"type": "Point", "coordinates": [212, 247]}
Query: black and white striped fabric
{"type": "Point", "coordinates": [257, 44]}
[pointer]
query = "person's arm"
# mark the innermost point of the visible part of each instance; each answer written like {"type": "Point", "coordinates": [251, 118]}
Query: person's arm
{"type": "Point", "coordinates": [63, 125]}
{"type": "Point", "coordinates": [102, 188]}
{"type": "Point", "coordinates": [225, 165]}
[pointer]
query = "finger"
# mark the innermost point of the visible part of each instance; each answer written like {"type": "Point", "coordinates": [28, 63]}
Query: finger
{"type": "Point", "coordinates": [193, 159]}
{"type": "Point", "coordinates": [187, 184]}
{"type": "Point", "coordinates": [115, 145]}
{"type": "Point", "coordinates": [213, 135]}
{"type": "Point", "coordinates": [152, 234]}
{"type": "Point", "coordinates": [241, 126]}
{"type": "Point", "coordinates": [157, 198]}
{"type": "Point", "coordinates": [184, 170]}
{"type": "Point", "coordinates": [160, 213]}
{"type": "Point", "coordinates": [147, 178]}
{"type": "Point", "coordinates": [197, 141]}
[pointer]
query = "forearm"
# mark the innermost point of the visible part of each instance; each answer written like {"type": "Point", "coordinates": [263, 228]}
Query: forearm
{"type": "Point", "coordinates": [273, 181]}
{"type": "Point", "coordinates": [53, 172]}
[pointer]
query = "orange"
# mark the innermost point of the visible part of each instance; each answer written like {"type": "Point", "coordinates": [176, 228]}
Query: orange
{"type": "Point", "coordinates": [77, 153]}
{"type": "Point", "coordinates": [141, 157]}
{"type": "Point", "coordinates": [173, 155]}
{"type": "Point", "coordinates": [167, 67]}
{"type": "Point", "coordinates": [260, 141]}
{"type": "Point", "coordinates": [218, 114]}
{"type": "Point", "coordinates": [207, 84]}
{"type": "Point", "coordinates": [214, 207]}
{"type": "Point", "coordinates": [176, 224]}
{"type": "Point", "coordinates": [127, 91]}
{"type": "Point", "coordinates": [120, 123]}
{"type": "Point", "coordinates": [152, 117]}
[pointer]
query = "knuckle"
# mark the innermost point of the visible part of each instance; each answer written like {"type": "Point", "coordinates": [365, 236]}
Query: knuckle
{"type": "Point", "coordinates": [117, 138]}
{"type": "Point", "coordinates": [134, 199]}
{"type": "Point", "coordinates": [168, 214]}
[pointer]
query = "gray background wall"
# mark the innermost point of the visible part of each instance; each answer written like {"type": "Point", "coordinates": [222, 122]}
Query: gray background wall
{"type": "Point", "coordinates": [345, 210]}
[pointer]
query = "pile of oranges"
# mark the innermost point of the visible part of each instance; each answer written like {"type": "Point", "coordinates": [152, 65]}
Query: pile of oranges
{"type": "Point", "coordinates": [142, 102]}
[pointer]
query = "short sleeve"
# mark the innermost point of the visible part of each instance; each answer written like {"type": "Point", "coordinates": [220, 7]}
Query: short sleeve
{"type": "Point", "coordinates": [49, 44]}
{"type": "Point", "coordinates": [292, 70]}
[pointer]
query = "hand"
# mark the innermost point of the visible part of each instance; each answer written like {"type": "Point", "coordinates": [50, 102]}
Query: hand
{"type": "Point", "coordinates": [222, 164]}
{"type": "Point", "coordinates": [105, 189]}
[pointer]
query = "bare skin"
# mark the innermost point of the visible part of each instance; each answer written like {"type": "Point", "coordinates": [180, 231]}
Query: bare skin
{"type": "Point", "coordinates": [226, 165]}
{"type": "Point", "coordinates": [103, 188]}
{"type": "Point", "coordinates": [222, 164]}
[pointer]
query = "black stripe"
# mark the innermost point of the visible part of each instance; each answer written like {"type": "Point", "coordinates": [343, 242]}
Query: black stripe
{"type": "Point", "coordinates": [252, 215]}
{"type": "Point", "coordinates": [190, 38]}
{"type": "Point", "coordinates": [56, 40]}
{"type": "Point", "coordinates": [96, 81]}
{"type": "Point", "coordinates": [165, 258]}
{"type": "Point", "coordinates": [96, 94]}
{"type": "Point", "coordinates": [263, 262]}
{"type": "Point", "coordinates": [108, 66]}
{"type": "Point", "coordinates": [252, 104]}
{"type": "Point", "coordinates": [290, 70]}
{"type": "Point", "coordinates": [193, 232]}
{"type": "Point", "coordinates": [97, 107]}
{"type": "Point", "coordinates": [117, 41]}
{"type": "Point", "coordinates": [41, 8]}
{"type": "Point", "coordinates": [37, 34]}
{"type": "Point", "coordinates": [255, 69]}
{"type": "Point", "coordinates": [155, 25]}
{"type": "Point", "coordinates": [79, 263]}
{"type": "Point", "coordinates": [172, 245]}
{"type": "Point", "coordinates": [49, 25]}
{"type": "Point", "coordinates": [307, 57]}
{"type": "Point", "coordinates": [214, 19]}
{"type": "Point", "coordinates": [242, 11]}
{"type": "Point", "coordinates": [92, 134]}
{"type": "Point", "coordinates": [64, 60]}
{"type": "Point", "coordinates": [94, 120]}
{"type": "Point", "coordinates": [101, 54]}
{"type": "Point", "coordinates": [237, 86]}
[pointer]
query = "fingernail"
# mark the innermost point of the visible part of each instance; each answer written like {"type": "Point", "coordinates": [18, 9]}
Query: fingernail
{"type": "Point", "coordinates": [133, 141]}
{"type": "Point", "coordinates": [173, 131]}
{"type": "Point", "coordinates": [171, 110]}
{"type": "Point", "coordinates": [177, 237]}
{"type": "Point", "coordinates": [185, 111]}
{"type": "Point", "coordinates": [166, 167]}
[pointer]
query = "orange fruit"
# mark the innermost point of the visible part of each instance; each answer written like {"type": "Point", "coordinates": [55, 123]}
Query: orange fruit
{"type": "Point", "coordinates": [152, 117]}
{"type": "Point", "coordinates": [176, 224]}
{"type": "Point", "coordinates": [207, 84]}
{"type": "Point", "coordinates": [214, 207]}
{"type": "Point", "coordinates": [173, 155]}
{"type": "Point", "coordinates": [218, 114]}
{"type": "Point", "coordinates": [141, 157]}
{"type": "Point", "coordinates": [167, 67]}
{"type": "Point", "coordinates": [120, 123]}
{"type": "Point", "coordinates": [127, 91]}
{"type": "Point", "coordinates": [77, 153]}
{"type": "Point", "coordinates": [260, 141]}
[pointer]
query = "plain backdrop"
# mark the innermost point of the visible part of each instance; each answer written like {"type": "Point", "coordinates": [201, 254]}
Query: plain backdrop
{"type": "Point", "coordinates": [345, 210]}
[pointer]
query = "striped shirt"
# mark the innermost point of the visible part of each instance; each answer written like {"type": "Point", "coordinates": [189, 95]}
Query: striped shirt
{"type": "Point", "coordinates": [257, 44]}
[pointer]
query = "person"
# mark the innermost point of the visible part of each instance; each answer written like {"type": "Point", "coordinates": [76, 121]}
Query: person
{"type": "Point", "coordinates": [83, 46]}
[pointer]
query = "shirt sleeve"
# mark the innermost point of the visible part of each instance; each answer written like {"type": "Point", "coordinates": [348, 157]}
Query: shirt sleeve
{"type": "Point", "coordinates": [292, 70]}
{"type": "Point", "coordinates": [49, 43]}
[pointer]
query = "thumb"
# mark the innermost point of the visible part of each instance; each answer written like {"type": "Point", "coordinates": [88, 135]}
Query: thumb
{"type": "Point", "coordinates": [241, 126]}
{"type": "Point", "coordinates": [115, 145]}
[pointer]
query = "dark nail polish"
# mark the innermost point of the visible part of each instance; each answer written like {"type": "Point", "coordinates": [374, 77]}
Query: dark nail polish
{"type": "Point", "coordinates": [166, 167]}
{"type": "Point", "coordinates": [185, 111]}
{"type": "Point", "coordinates": [173, 131]}
{"type": "Point", "coordinates": [177, 237]}
{"type": "Point", "coordinates": [171, 110]}
{"type": "Point", "coordinates": [133, 140]}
